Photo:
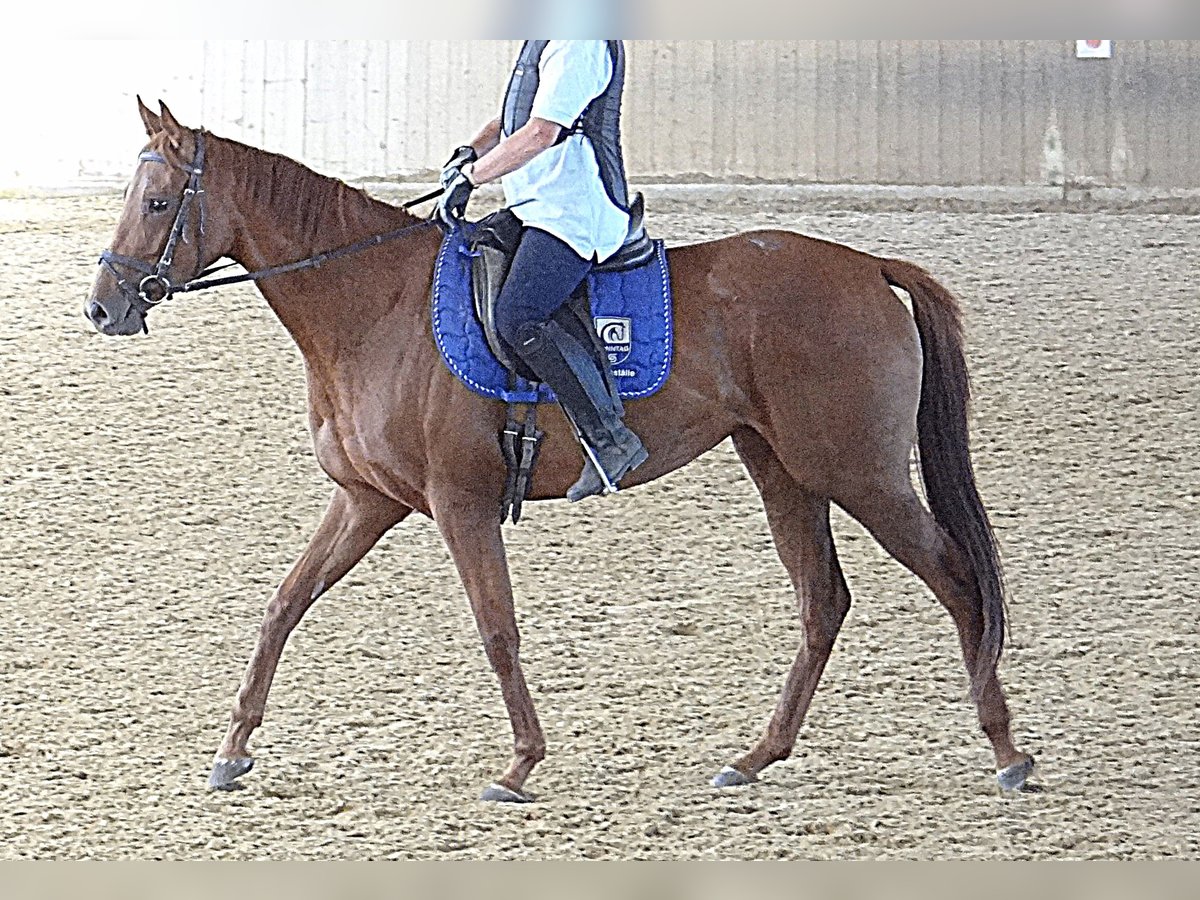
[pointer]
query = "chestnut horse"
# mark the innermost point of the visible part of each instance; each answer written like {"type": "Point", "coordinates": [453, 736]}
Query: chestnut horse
{"type": "Point", "coordinates": [796, 348]}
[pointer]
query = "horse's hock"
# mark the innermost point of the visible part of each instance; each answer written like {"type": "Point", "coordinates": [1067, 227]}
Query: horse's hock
{"type": "Point", "coordinates": [155, 491]}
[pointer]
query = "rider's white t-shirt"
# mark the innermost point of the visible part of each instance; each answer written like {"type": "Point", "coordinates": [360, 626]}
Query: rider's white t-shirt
{"type": "Point", "coordinates": [560, 190]}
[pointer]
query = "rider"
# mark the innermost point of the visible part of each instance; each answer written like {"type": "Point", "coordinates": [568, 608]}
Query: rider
{"type": "Point", "coordinates": [557, 148]}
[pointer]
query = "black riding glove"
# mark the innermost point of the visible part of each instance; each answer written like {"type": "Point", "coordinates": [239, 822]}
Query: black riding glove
{"type": "Point", "coordinates": [452, 205]}
{"type": "Point", "coordinates": [459, 158]}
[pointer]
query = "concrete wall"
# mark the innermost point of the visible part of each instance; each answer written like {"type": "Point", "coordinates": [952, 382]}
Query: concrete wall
{"type": "Point", "coordinates": [906, 112]}
{"type": "Point", "coordinates": [893, 112]}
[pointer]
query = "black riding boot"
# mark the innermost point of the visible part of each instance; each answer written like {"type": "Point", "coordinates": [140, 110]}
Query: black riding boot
{"type": "Point", "coordinates": [566, 366]}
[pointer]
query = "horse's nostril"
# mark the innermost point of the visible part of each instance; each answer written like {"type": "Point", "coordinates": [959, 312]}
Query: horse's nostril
{"type": "Point", "coordinates": [96, 313]}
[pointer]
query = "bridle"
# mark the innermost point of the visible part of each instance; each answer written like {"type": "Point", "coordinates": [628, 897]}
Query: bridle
{"type": "Point", "coordinates": [156, 285]}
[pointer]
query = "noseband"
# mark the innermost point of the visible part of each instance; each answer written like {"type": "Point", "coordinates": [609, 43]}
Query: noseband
{"type": "Point", "coordinates": [156, 285]}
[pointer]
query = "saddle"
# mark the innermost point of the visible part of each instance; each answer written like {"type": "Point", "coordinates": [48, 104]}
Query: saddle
{"type": "Point", "coordinates": [492, 245]}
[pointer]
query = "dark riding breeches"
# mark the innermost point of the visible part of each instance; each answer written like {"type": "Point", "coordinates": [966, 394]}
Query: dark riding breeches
{"type": "Point", "coordinates": [544, 273]}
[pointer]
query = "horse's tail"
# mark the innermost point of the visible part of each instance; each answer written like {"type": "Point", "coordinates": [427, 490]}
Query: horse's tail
{"type": "Point", "coordinates": [943, 444]}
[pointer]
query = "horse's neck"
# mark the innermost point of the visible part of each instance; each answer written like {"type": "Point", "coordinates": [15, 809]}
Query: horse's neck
{"type": "Point", "coordinates": [327, 308]}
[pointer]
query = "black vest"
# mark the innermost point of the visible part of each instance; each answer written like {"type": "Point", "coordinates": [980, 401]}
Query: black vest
{"type": "Point", "coordinates": [600, 123]}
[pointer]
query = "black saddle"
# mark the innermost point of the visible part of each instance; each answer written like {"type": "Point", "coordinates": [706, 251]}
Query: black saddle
{"type": "Point", "coordinates": [638, 248]}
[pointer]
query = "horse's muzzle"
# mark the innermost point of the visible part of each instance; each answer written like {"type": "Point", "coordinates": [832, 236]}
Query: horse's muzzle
{"type": "Point", "coordinates": [114, 317]}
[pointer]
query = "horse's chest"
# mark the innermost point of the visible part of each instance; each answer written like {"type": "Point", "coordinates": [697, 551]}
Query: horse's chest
{"type": "Point", "coordinates": [357, 449]}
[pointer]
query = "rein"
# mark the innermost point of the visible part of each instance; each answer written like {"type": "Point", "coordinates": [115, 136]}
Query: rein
{"type": "Point", "coordinates": [156, 277]}
{"type": "Point", "coordinates": [201, 281]}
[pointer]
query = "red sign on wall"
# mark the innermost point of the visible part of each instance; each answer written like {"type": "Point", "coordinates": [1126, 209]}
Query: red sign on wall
{"type": "Point", "coordinates": [1093, 49]}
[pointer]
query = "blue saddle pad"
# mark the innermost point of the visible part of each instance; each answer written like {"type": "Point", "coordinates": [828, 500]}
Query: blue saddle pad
{"type": "Point", "coordinates": [632, 312]}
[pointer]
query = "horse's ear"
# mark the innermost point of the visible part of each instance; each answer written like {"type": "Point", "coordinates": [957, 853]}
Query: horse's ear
{"type": "Point", "coordinates": [152, 122]}
{"type": "Point", "coordinates": [170, 124]}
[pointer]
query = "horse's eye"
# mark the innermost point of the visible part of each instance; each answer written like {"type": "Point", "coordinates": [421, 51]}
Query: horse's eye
{"type": "Point", "coordinates": [157, 206]}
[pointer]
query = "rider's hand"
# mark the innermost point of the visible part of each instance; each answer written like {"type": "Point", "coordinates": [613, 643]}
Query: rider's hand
{"type": "Point", "coordinates": [452, 205]}
{"type": "Point", "coordinates": [459, 158]}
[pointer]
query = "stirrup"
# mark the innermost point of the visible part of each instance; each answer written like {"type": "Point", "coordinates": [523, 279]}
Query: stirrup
{"type": "Point", "coordinates": [594, 479]}
{"type": "Point", "coordinates": [606, 486]}
{"type": "Point", "coordinates": [590, 483]}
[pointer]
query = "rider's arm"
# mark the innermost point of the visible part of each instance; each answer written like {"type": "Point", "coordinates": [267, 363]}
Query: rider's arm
{"type": "Point", "coordinates": [572, 73]}
{"type": "Point", "coordinates": [488, 137]}
{"type": "Point", "coordinates": [514, 151]}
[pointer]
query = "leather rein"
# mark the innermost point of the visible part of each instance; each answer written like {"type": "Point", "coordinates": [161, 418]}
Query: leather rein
{"type": "Point", "coordinates": [156, 285]}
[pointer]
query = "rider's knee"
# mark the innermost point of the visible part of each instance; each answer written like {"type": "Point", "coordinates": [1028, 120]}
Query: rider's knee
{"type": "Point", "coordinates": [513, 327]}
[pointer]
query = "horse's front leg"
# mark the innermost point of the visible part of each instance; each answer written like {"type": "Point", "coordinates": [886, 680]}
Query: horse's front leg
{"type": "Point", "coordinates": [353, 523]}
{"type": "Point", "coordinates": [471, 530]}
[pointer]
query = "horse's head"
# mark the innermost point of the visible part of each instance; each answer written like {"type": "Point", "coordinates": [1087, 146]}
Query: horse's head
{"type": "Point", "coordinates": [166, 235]}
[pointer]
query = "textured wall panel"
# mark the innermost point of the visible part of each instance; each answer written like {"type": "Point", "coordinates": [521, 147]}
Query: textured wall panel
{"type": "Point", "coordinates": [904, 112]}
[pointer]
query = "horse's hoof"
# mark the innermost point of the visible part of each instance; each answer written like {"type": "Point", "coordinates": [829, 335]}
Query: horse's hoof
{"type": "Point", "coordinates": [1012, 778]}
{"type": "Point", "coordinates": [226, 772]}
{"type": "Point", "coordinates": [731, 777]}
{"type": "Point", "coordinates": [498, 793]}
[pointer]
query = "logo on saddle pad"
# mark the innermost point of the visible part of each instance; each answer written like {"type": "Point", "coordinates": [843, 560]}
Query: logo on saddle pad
{"type": "Point", "coordinates": [616, 334]}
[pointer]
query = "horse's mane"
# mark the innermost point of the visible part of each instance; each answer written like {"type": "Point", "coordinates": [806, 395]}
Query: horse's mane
{"type": "Point", "coordinates": [304, 202]}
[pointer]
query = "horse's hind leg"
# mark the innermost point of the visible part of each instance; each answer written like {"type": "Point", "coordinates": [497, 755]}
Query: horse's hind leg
{"type": "Point", "coordinates": [799, 523]}
{"type": "Point", "coordinates": [909, 532]}
{"type": "Point", "coordinates": [352, 525]}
